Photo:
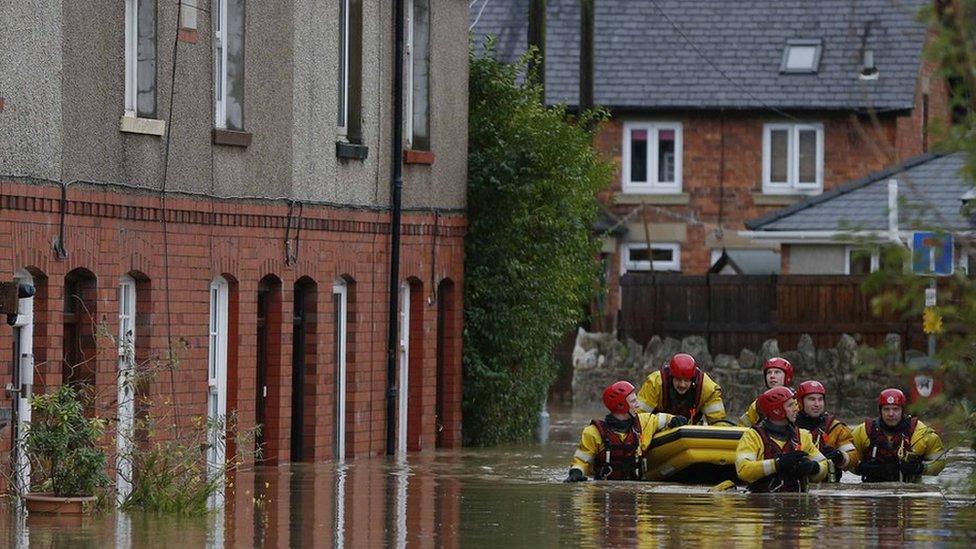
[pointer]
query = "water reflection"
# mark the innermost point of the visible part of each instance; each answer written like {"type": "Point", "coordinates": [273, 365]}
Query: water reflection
{"type": "Point", "coordinates": [511, 496]}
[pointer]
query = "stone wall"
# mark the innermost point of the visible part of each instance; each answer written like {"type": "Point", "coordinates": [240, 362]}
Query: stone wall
{"type": "Point", "coordinates": [853, 374]}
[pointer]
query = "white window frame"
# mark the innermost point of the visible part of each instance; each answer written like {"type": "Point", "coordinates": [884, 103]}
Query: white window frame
{"type": "Point", "coordinates": [403, 383]}
{"type": "Point", "coordinates": [343, 129]}
{"type": "Point", "coordinates": [126, 390]}
{"type": "Point", "coordinates": [217, 379]}
{"type": "Point", "coordinates": [875, 258]}
{"type": "Point", "coordinates": [627, 265]}
{"type": "Point", "coordinates": [220, 63]}
{"type": "Point", "coordinates": [340, 289]}
{"type": "Point", "coordinates": [652, 185]}
{"type": "Point", "coordinates": [792, 185]}
{"type": "Point", "coordinates": [131, 57]}
{"type": "Point", "coordinates": [408, 65]}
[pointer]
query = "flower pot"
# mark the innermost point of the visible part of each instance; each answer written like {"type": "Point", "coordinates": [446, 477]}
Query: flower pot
{"type": "Point", "coordinates": [49, 504]}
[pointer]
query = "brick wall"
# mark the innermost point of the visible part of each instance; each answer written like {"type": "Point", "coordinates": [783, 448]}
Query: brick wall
{"type": "Point", "coordinates": [111, 234]}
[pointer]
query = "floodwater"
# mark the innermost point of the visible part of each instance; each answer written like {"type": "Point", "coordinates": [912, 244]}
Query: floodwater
{"type": "Point", "coordinates": [513, 497]}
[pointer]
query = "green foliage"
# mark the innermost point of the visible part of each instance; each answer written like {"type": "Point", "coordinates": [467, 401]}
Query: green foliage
{"type": "Point", "coordinates": [529, 257]}
{"type": "Point", "coordinates": [62, 445]}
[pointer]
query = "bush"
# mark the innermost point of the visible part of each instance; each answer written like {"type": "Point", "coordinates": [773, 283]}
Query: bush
{"type": "Point", "coordinates": [529, 257]}
{"type": "Point", "coordinates": [62, 445]}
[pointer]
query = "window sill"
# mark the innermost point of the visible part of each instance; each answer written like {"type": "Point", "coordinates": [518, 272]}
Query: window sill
{"type": "Point", "coordinates": [418, 157]}
{"type": "Point", "coordinates": [231, 137]}
{"type": "Point", "coordinates": [145, 126]}
{"type": "Point", "coordinates": [669, 199]}
{"type": "Point", "coordinates": [778, 199]}
{"type": "Point", "coordinates": [351, 151]}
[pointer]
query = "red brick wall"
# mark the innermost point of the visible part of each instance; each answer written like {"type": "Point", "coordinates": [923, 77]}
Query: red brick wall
{"type": "Point", "coordinates": [112, 234]}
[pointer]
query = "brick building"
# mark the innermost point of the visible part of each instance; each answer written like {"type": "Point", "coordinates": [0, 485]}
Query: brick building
{"type": "Point", "coordinates": [724, 111]}
{"type": "Point", "coordinates": [239, 214]}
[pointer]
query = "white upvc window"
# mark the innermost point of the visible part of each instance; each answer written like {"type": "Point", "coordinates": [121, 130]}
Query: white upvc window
{"type": "Point", "coordinates": [417, 65]}
{"type": "Point", "coordinates": [861, 261]}
{"type": "Point", "coordinates": [228, 23]}
{"type": "Point", "coordinates": [340, 305]}
{"type": "Point", "coordinates": [140, 58]}
{"type": "Point", "coordinates": [343, 118]}
{"type": "Point", "coordinates": [126, 389]}
{"type": "Point", "coordinates": [652, 157]}
{"type": "Point", "coordinates": [637, 257]}
{"type": "Point", "coordinates": [217, 378]}
{"type": "Point", "coordinates": [793, 158]}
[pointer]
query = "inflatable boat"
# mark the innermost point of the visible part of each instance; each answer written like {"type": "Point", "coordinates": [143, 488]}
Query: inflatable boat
{"type": "Point", "coordinates": [694, 454]}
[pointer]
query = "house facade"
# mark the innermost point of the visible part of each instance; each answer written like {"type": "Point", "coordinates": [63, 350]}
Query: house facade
{"type": "Point", "coordinates": [724, 111]}
{"type": "Point", "coordinates": [212, 180]}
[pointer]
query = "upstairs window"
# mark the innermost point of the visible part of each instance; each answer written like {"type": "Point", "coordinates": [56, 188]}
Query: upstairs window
{"type": "Point", "coordinates": [418, 74]}
{"type": "Point", "coordinates": [228, 19]}
{"type": "Point", "coordinates": [652, 158]}
{"type": "Point", "coordinates": [349, 121]}
{"type": "Point", "coordinates": [793, 158]}
{"type": "Point", "coordinates": [801, 56]}
{"type": "Point", "coordinates": [140, 58]}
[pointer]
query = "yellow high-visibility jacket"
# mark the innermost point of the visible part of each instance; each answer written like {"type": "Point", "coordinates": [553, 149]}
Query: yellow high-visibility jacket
{"type": "Point", "coordinates": [591, 443]}
{"type": "Point", "coordinates": [709, 404]}
{"type": "Point", "coordinates": [751, 464]}
{"type": "Point", "coordinates": [925, 443]}
{"type": "Point", "coordinates": [750, 417]}
{"type": "Point", "coordinates": [839, 436]}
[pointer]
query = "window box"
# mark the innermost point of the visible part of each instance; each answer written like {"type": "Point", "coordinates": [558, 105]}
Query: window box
{"type": "Point", "coordinates": [793, 158]}
{"type": "Point", "coordinates": [635, 257]}
{"type": "Point", "coordinates": [651, 158]}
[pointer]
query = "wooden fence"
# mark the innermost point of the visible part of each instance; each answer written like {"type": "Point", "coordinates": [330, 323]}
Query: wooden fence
{"type": "Point", "coordinates": [735, 312]}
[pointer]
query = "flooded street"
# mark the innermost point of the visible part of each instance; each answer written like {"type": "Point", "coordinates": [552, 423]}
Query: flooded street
{"type": "Point", "coordinates": [513, 496]}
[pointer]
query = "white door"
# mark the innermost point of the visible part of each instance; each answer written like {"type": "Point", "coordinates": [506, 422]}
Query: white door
{"type": "Point", "coordinates": [24, 332]}
{"type": "Point", "coordinates": [339, 302]}
{"type": "Point", "coordinates": [404, 368]}
{"type": "Point", "coordinates": [217, 379]}
{"type": "Point", "coordinates": [126, 394]}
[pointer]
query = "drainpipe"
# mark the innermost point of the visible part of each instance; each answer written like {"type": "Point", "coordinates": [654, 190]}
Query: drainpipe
{"type": "Point", "coordinates": [893, 211]}
{"type": "Point", "coordinates": [395, 192]}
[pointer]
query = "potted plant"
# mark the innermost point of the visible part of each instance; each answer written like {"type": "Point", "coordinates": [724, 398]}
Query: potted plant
{"type": "Point", "coordinates": [67, 465]}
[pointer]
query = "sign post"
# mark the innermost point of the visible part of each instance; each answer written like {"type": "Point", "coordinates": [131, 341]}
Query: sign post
{"type": "Point", "coordinates": [932, 255]}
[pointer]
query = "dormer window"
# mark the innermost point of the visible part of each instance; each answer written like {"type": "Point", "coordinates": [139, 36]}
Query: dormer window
{"type": "Point", "coordinates": [801, 57]}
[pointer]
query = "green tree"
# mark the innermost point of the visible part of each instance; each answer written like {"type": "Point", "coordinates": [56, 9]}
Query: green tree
{"type": "Point", "coordinates": [530, 262]}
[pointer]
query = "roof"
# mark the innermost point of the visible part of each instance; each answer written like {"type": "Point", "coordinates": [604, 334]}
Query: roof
{"type": "Point", "coordinates": [930, 187]}
{"type": "Point", "coordinates": [643, 58]}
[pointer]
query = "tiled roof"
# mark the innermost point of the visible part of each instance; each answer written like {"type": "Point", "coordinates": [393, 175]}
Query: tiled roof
{"type": "Point", "coordinates": [643, 60]}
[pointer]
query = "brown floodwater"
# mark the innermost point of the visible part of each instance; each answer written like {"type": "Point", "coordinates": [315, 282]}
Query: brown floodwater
{"type": "Point", "coordinates": [512, 496]}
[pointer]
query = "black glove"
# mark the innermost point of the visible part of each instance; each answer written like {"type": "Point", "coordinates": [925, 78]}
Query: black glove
{"type": "Point", "coordinates": [677, 421]}
{"type": "Point", "coordinates": [876, 470]}
{"type": "Point", "coordinates": [808, 467]}
{"type": "Point", "coordinates": [911, 467]}
{"type": "Point", "coordinates": [833, 454]}
{"type": "Point", "coordinates": [575, 475]}
{"type": "Point", "coordinates": [787, 463]}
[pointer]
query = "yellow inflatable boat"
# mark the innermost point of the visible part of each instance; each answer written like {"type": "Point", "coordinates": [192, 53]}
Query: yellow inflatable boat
{"type": "Point", "coordinates": [694, 454]}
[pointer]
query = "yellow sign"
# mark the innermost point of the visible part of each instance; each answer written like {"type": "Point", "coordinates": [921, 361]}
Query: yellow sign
{"type": "Point", "coordinates": [931, 321]}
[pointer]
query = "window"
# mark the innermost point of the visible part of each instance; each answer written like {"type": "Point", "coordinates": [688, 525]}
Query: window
{"type": "Point", "coordinates": [860, 261]}
{"type": "Point", "coordinates": [636, 257]}
{"type": "Point", "coordinates": [652, 158]}
{"type": "Point", "coordinates": [801, 56]}
{"type": "Point", "coordinates": [418, 74]}
{"type": "Point", "coordinates": [228, 20]}
{"type": "Point", "coordinates": [793, 158]}
{"type": "Point", "coordinates": [217, 373]}
{"type": "Point", "coordinates": [350, 70]}
{"type": "Point", "coordinates": [126, 390]}
{"type": "Point", "coordinates": [140, 58]}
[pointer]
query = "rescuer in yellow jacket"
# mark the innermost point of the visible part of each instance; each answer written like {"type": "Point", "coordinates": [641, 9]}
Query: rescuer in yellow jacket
{"type": "Point", "coordinates": [775, 455]}
{"type": "Point", "coordinates": [682, 389]}
{"type": "Point", "coordinates": [777, 372]}
{"type": "Point", "coordinates": [614, 448]}
{"type": "Point", "coordinates": [832, 437]}
{"type": "Point", "coordinates": [895, 447]}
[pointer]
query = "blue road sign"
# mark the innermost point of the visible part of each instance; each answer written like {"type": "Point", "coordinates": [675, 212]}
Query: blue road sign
{"type": "Point", "coordinates": [932, 253]}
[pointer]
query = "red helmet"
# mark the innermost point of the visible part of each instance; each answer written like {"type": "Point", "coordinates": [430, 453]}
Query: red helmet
{"type": "Point", "coordinates": [772, 402]}
{"type": "Point", "coordinates": [810, 387]}
{"type": "Point", "coordinates": [683, 365]}
{"type": "Point", "coordinates": [780, 364]}
{"type": "Point", "coordinates": [891, 397]}
{"type": "Point", "coordinates": [615, 397]}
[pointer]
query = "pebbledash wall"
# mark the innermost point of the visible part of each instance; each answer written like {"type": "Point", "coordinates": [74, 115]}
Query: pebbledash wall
{"type": "Point", "coordinates": [324, 217]}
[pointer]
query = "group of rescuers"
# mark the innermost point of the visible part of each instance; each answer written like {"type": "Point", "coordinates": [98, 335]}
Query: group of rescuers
{"type": "Point", "coordinates": [791, 440]}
